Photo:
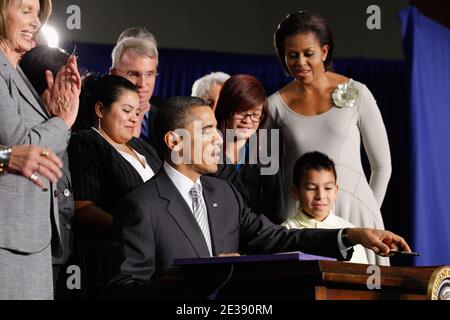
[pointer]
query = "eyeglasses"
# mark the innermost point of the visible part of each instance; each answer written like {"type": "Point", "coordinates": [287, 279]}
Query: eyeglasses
{"type": "Point", "coordinates": [135, 75]}
{"type": "Point", "coordinates": [255, 117]}
{"type": "Point", "coordinates": [210, 102]}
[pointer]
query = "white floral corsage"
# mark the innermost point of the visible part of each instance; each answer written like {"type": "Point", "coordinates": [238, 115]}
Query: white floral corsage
{"type": "Point", "coordinates": [345, 95]}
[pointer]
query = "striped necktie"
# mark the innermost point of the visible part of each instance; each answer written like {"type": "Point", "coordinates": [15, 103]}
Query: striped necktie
{"type": "Point", "coordinates": [145, 127]}
{"type": "Point", "coordinates": [200, 214]}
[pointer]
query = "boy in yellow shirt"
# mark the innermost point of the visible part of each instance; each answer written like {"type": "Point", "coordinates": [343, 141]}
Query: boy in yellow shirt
{"type": "Point", "coordinates": [315, 188]}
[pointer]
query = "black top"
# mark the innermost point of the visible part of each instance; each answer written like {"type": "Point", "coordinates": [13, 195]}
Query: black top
{"type": "Point", "coordinates": [66, 209]}
{"type": "Point", "coordinates": [261, 192]}
{"type": "Point", "coordinates": [100, 173]}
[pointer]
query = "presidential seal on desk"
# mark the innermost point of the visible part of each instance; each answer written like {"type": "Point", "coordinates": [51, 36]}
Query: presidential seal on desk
{"type": "Point", "coordinates": [439, 284]}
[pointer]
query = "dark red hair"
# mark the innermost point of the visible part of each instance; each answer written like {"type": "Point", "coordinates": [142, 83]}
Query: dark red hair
{"type": "Point", "coordinates": [240, 93]}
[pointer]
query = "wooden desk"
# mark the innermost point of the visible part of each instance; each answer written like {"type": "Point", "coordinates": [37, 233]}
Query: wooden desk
{"type": "Point", "coordinates": [296, 280]}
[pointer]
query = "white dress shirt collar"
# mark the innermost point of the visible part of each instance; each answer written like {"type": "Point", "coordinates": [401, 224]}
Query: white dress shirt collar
{"type": "Point", "coordinates": [181, 182]}
{"type": "Point", "coordinates": [308, 222]}
{"type": "Point", "coordinates": [331, 222]}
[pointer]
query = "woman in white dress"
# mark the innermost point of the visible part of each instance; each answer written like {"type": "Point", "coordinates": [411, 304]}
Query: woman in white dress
{"type": "Point", "coordinates": [324, 111]}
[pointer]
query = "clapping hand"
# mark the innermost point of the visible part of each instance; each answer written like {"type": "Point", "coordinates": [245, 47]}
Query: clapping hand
{"type": "Point", "coordinates": [63, 92]}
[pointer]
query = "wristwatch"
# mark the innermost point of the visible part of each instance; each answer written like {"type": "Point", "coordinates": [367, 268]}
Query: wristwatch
{"type": "Point", "coordinates": [5, 155]}
{"type": "Point", "coordinates": [345, 240]}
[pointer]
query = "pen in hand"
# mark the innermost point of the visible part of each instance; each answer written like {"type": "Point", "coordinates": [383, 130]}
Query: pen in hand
{"type": "Point", "coordinates": [404, 253]}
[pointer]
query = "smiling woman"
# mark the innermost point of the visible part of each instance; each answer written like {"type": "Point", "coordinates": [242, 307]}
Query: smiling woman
{"type": "Point", "coordinates": [324, 111]}
{"type": "Point", "coordinates": [23, 18]}
{"type": "Point", "coordinates": [28, 214]}
{"type": "Point", "coordinates": [106, 163]}
{"type": "Point", "coordinates": [241, 111]}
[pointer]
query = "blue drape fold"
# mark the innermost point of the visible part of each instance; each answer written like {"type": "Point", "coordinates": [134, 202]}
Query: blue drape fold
{"type": "Point", "coordinates": [427, 51]}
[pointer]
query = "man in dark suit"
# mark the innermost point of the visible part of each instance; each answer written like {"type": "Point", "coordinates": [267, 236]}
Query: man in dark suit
{"type": "Point", "coordinates": [181, 213]}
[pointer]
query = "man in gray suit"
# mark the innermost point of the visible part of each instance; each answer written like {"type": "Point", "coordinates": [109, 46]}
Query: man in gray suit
{"type": "Point", "coordinates": [182, 213]}
{"type": "Point", "coordinates": [29, 215]}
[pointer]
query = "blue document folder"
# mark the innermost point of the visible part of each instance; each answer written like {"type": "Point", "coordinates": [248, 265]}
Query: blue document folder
{"type": "Point", "coordinates": [288, 256]}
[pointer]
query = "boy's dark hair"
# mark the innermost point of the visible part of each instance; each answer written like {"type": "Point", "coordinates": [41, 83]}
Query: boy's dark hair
{"type": "Point", "coordinates": [312, 161]}
{"type": "Point", "coordinates": [172, 115]}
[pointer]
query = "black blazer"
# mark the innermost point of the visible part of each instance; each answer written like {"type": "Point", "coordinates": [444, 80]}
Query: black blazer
{"type": "Point", "coordinates": [261, 192]}
{"type": "Point", "coordinates": [100, 173]}
{"type": "Point", "coordinates": [154, 225]}
{"type": "Point", "coordinates": [66, 209]}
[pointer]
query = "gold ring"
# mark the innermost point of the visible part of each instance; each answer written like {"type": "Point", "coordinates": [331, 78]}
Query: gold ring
{"type": "Point", "coordinates": [45, 153]}
{"type": "Point", "coordinates": [34, 177]}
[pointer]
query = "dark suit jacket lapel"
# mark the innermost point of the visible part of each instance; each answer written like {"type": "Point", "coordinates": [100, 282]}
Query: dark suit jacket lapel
{"type": "Point", "coordinates": [214, 207]}
{"type": "Point", "coordinates": [181, 213]}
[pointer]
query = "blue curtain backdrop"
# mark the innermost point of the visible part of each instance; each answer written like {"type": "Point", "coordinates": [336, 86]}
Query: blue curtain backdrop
{"type": "Point", "coordinates": [179, 68]}
{"type": "Point", "coordinates": [386, 79]}
{"type": "Point", "coordinates": [427, 50]}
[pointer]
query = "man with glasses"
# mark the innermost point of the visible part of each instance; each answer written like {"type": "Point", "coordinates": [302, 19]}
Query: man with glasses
{"type": "Point", "coordinates": [135, 57]}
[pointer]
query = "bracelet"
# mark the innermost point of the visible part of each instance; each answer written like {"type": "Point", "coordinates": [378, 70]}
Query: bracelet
{"type": "Point", "coordinates": [5, 156]}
